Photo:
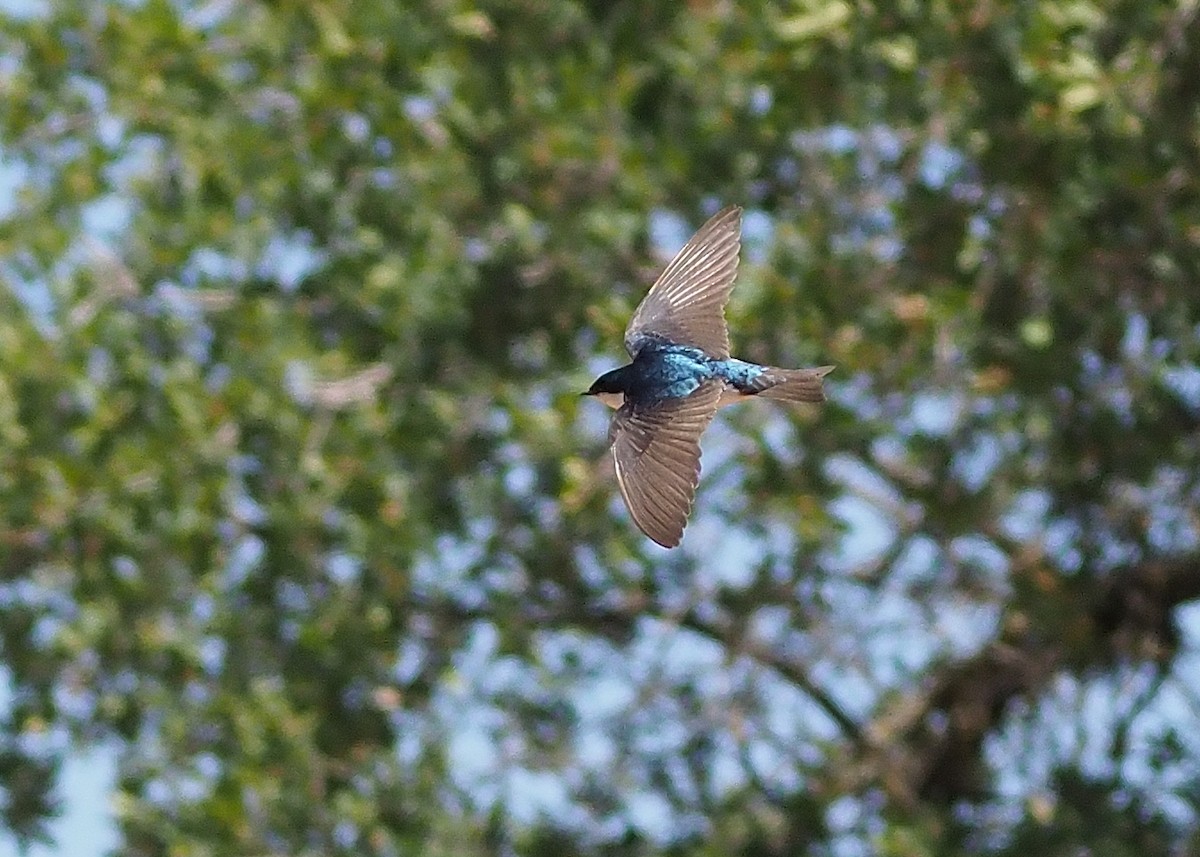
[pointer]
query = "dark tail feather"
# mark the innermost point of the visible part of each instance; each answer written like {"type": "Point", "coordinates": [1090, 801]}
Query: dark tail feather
{"type": "Point", "coordinates": [791, 385]}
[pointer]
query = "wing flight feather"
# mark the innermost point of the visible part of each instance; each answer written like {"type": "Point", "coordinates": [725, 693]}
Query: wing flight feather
{"type": "Point", "coordinates": [657, 455]}
{"type": "Point", "coordinates": [686, 304]}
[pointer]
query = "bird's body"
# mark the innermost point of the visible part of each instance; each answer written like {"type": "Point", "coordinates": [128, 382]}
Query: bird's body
{"type": "Point", "coordinates": [666, 370]}
{"type": "Point", "coordinates": [681, 373]}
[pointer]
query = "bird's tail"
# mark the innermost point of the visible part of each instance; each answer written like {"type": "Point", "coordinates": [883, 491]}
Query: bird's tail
{"type": "Point", "coordinates": [790, 385]}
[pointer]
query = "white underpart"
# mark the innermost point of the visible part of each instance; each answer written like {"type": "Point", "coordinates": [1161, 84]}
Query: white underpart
{"type": "Point", "coordinates": [729, 396]}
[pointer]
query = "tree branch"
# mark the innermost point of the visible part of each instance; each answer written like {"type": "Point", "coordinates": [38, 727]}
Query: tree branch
{"type": "Point", "coordinates": [724, 633]}
{"type": "Point", "coordinates": [942, 728]}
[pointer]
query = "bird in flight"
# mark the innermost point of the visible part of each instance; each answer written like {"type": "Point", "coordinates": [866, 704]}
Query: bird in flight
{"type": "Point", "coordinates": [681, 373]}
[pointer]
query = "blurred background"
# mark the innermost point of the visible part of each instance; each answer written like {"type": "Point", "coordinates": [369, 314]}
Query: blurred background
{"type": "Point", "coordinates": [305, 543]}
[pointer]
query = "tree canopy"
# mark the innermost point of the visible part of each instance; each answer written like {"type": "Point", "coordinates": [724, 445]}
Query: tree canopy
{"type": "Point", "coordinates": [301, 513]}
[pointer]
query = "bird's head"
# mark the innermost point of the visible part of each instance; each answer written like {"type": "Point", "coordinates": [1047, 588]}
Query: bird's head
{"type": "Point", "coordinates": [608, 389]}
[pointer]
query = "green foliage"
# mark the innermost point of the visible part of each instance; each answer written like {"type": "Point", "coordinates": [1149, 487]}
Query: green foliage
{"type": "Point", "coordinates": [1092, 814]}
{"type": "Point", "coordinates": [298, 506]}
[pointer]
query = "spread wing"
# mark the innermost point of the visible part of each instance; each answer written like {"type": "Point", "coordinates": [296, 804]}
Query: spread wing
{"type": "Point", "coordinates": [657, 455]}
{"type": "Point", "coordinates": [687, 302]}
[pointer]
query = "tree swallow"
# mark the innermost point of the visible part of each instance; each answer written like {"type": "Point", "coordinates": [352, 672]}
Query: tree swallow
{"type": "Point", "coordinates": [681, 373]}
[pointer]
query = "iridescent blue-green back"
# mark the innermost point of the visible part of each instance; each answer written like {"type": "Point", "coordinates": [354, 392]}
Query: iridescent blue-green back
{"type": "Point", "coordinates": [665, 371]}
{"type": "Point", "coordinates": [669, 371]}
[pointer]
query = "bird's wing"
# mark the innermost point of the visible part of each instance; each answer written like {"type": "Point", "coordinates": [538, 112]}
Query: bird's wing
{"type": "Point", "coordinates": [657, 455]}
{"type": "Point", "coordinates": [687, 303]}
